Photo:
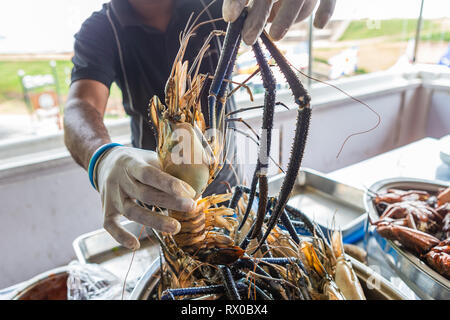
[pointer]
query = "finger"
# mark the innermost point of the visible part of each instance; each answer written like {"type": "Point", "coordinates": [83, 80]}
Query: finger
{"type": "Point", "coordinates": [154, 177]}
{"type": "Point", "coordinates": [324, 13]}
{"type": "Point", "coordinates": [285, 18]}
{"type": "Point", "coordinates": [306, 10]}
{"type": "Point", "coordinates": [231, 9]}
{"type": "Point", "coordinates": [118, 232]}
{"type": "Point", "coordinates": [256, 20]}
{"type": "Point", "coordinates": [152, 196]}
{"type": "Point", "coordinates": [150, 218]}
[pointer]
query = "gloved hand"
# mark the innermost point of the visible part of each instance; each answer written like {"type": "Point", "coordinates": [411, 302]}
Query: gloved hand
{"type": "Point", "coordinates": [127, 174]}
{"type": "Point", "coordinates": [282, 13]}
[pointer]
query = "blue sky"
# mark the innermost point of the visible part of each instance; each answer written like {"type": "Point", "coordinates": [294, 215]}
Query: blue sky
{"type": "Point", "coordinates": [37, 26]}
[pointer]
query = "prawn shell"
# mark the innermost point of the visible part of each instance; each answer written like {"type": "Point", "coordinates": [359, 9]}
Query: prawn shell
{"type": "Point", "coordinates": [186, 159]}
{"type": "Point", "coordinates": [347, 281]}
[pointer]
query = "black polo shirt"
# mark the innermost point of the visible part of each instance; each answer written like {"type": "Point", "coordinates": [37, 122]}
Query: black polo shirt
{"type": "Point", "coordinates": [113, 45]}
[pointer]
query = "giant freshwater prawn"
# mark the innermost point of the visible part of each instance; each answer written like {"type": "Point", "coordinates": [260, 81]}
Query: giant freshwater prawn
{"type": "Point", "coordinates": [224, 248]}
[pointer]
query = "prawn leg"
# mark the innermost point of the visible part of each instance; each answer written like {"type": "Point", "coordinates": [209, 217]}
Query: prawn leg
{"type": "Point", "coordinates": [262, 164]}
{"type": "Point", "coordinates": [226, 61]}
{"type": "Point", "coordinates": [302, 99]}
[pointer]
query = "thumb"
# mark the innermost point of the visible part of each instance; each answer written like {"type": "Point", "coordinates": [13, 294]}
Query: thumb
{"type": "Point", "coordinates": [120, 234]}
{"type": "Point", "coordinates": [231, 9]}
{"type": "Point", "coordinates": [324, 12]}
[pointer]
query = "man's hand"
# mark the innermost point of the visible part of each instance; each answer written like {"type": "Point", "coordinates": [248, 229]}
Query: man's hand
{"type": "Point", "coordinates": [127, 174]}
{"type": "Point", "coordinates": [123, 174]}
{"type": "Point", "coordinates": [282, 14]}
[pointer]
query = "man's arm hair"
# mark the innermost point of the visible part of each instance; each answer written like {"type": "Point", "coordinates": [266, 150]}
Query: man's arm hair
{"type": "Point", "coordinates": [84, 130]}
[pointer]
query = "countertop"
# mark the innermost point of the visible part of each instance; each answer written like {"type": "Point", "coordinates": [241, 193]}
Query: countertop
{"type": "Point", "coordinates": [419, 159]}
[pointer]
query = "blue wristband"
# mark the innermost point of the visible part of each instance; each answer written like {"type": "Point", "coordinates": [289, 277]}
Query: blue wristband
{"type": "Point", "coordinates": [95, 157]}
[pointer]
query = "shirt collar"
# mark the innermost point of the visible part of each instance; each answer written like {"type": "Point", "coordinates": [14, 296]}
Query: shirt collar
{"type": "Point", "coordinates": [127, 16]}
{"type": "Point", "coordinates": [125, 13]}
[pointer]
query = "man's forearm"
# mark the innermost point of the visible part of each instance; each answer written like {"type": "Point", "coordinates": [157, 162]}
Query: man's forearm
{"type": "Point", "coordinates": [84, 130]}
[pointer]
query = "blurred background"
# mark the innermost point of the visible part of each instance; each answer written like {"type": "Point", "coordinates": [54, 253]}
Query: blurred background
{"type": "Point", "coordinates": [392, 54]}
{"type": "Point", "coordinates": [36, 39]}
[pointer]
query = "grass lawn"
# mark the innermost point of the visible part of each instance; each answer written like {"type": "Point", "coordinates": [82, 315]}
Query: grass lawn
{"type": "Point", "coordinates": [11, 94]}
{"type": "Point", "coordinates": [9, 80]}
{"type": "Point", "coordinates": [396, 29]}
{"type": "Point", "coordinates": [10, 88]}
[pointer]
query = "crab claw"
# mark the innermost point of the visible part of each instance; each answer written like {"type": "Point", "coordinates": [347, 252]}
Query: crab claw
{"type": "Point", "coordinates": [439, 258]}
{"type": "Point", "coordinates": [444, 197]}
{"type": "Point", "coordinates": [418, 241]}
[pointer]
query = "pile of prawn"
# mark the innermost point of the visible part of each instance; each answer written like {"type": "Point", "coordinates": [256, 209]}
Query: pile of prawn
{"type": "Point", "coordinates": [314, 269]}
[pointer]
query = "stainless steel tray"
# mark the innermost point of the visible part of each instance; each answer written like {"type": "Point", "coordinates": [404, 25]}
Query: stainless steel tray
{"type": "Point", "coordinates": [331, 204]}
{"type": "Point", "coordinates": [424, 281]}
{"type": "Point", "coordinates": [383, 290]}
{"type": "Point", "coordinates": [100, 248]}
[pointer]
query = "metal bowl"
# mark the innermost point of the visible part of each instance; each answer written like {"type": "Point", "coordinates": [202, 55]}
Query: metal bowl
{"type": "Point", "coordinates": [374, 285]}
{"type": "Point", "coordinates": [50, 285]}
{"type": "Point", "coordinates": [424, 281]}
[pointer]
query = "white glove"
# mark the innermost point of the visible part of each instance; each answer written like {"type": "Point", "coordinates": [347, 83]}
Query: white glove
{"type": "Point", "coordinates": [285, 13]}
{"type": "Point", "coordinates": [124, 175]}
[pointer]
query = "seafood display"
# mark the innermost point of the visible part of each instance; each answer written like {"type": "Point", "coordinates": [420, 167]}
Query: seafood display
{"type": "Point", "coordinates": [287, 266]}
{"type": "Point", "coordinates": [419, 221]}
{"type": "Point", "coordinates": [226, 248]}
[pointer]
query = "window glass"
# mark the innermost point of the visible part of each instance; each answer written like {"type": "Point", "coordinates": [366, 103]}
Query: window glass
{"type": "Point", "coordinates": [36, 47]}
{"type": "Point", "coordinates": [434, 45]}
{"type": "Point", "coordinates": [365, 36]}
